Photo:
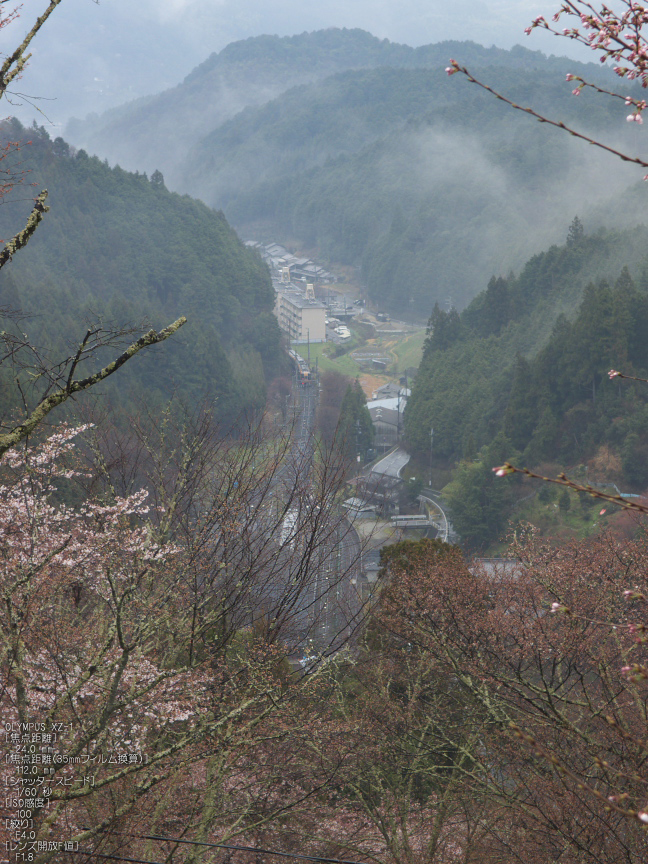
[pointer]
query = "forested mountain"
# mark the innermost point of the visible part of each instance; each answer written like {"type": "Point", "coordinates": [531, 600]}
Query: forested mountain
{"type": "Point", "coordinates": [377, 159]}
{"type": "Point", "coordinates": [521, 373]}
{"type": "Point", "coordinates": [310, 125]}
{"type": "Point", "coordinates": [157, 131]}
{"type": "Point", "coordinates": [427, 182]}
{"type": "Point", "coordinates": [120, 246]}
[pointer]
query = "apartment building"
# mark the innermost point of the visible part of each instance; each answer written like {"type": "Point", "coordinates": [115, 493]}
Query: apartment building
{"type": "Point", "coordinates": [300, 315]}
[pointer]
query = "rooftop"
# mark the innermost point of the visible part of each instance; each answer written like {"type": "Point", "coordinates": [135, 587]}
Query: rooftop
{"type": "Point", "coordinates": [389, 404]}
{"type": "Point", "coordinates": [300, 301]}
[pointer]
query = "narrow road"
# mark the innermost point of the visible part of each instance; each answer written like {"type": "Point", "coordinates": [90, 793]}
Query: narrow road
{"type": "Point", "coordinates": [392, 464]}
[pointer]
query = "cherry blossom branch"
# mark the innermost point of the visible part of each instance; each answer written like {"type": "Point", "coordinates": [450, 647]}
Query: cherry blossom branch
{"type": "Point", "coordinates": [639, 104]}
{"type": "Point", "coordinates": [456, 67]}
{"type": "Point", "coordinates": [609, 801]}
{"type": "Point", "coordinates": [563, 480]}
{"type": "Point", "coordinates": [618, 37]}
{"type": "Point", "coordinates": [614, 374]}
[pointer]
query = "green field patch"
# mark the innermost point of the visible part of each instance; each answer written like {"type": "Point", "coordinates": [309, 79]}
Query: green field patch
{"type": "Point", "coordinates": [319, 353]}
{"type": "Point", "coordinates": [409, 351]}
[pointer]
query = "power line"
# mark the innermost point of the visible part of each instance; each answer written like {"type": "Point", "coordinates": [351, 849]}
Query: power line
{"type": "Point", "coordinates": [115, 857]}
{"type": "Point", "coordinates": [163, 838]}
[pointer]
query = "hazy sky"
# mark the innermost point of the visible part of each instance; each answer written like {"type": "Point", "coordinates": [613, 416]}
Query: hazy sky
{"type": "Point", "coordinates": [91, 56]}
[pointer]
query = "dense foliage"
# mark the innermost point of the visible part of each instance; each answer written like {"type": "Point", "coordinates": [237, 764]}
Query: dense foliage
{"type": "Point", "coordinates": [157, 131]}
{"type": "Point", "coordinates": [377, 158]}
{"type": "Point", "coordinates": [356, 427]}
{"type": "Point", "coordinates": [523, 370]}
{"type": "Point", "coordinates": [120, 246]}
{"type": "Point", "coordinates": [503, 658]}
{"type": "Point", "coordinates": [342, 417]}
{"type": "Point", "coordinates": [423, 181]}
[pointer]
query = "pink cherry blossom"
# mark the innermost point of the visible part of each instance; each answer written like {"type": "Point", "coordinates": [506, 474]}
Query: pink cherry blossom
{"type": "Point", "coordinates": [634, 594]}
{"type": "Point", "coordinates": [560, 608]}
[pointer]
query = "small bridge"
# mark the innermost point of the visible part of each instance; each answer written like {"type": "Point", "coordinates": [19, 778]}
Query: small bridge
{"type": "Point", "coordinates": [419, 520]}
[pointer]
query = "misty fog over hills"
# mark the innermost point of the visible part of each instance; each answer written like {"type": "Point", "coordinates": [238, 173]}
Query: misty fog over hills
{"type": "Point", "coordinates": [97, 56]}
{"type": "Point", "coordinates": [155, 131]}
{"type": "Point", "coordinates": [367, 151]}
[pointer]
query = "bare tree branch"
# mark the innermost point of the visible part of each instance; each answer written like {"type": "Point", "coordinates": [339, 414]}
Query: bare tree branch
{"type": "Point", "coordinates": [24, 429]}
{"type": "Point", "coordinates": [22, 237]}
{"type": "Point", "coordinates": [16, 61]}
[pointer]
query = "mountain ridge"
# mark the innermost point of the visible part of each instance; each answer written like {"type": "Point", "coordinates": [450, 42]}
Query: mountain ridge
{"type": "Point", "coordinates": [252, 72]}
{"type": "Point", "coordinates": [121, 247]}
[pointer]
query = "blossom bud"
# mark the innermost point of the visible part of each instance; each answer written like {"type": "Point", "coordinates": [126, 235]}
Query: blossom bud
{"type": "Point", "coordinates": [634, 594]}
{"type": "Point", "coordinates": [560, 608]}
{"type": "Point", "coordinates": [613, 373]}
{"type": "Point", "coordinates": [635, 673]}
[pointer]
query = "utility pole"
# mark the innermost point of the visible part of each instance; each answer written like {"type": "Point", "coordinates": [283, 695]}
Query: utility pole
{"type": "Point", "coordinates": [398, 416]}
{"type": "Point", "coordinates": [431, 446]}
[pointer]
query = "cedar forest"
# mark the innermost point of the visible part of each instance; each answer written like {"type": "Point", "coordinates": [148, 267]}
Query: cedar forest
{"type": "Point", "coordinates": [190, 670]}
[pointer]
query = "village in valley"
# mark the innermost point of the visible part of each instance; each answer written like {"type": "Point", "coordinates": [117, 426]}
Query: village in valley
{"type": "Point", "coordinates": [328, 324]}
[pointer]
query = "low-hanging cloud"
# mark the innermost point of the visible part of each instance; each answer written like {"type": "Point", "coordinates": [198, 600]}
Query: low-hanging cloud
{"type": "Point", "coordinates": [91, 57]}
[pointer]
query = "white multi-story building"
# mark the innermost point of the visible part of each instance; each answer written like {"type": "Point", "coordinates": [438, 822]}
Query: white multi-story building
{"type": "Point", "coordinates": [300, 315]}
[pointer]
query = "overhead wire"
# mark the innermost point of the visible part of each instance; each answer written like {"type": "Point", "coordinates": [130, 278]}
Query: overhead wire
{"type": "Point", "coordinates": [163, 838]}
{"type": "Point", "coordinates": [114, 857]}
